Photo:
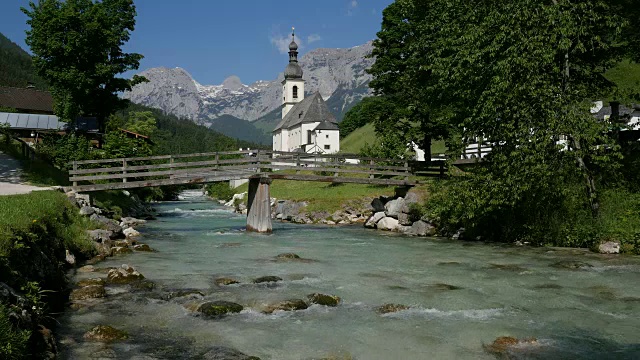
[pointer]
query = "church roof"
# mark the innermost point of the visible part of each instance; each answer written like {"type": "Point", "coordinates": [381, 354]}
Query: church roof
{"type": "Point", "coordinates": [310, 109]}
{"type": "Point", "coordinates": [325, 125]}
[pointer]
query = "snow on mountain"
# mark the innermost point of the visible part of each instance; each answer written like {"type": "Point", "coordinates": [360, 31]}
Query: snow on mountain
{"type": "Point", "coordinates": [329, 71]}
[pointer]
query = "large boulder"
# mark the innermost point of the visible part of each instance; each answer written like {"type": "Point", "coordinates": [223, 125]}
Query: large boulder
{"type": "Point", "coordinates": [225, 353]}
{"type": "Point", "coordinates": [131, 232]}
{"type": "Point", "coordinates": [609, 247]}
{"type": "Point", "coordinates": [410, 199]}
{"type": "Point", "coordinates": [88, 292]}
{"type": "Point", "coordinates": [373, 220]}
{"type": "Point", "coordinates": [126, 222]}
{"type": "Point", "coordinates": [388, 224]}
{"type": "Point", "coordinates": [105, 333]}
{"type": "Point", "coordinates": [107, 224]}
{"type": "Point", "coordinates": [394, 207]}
{"type": "Point", "coordinates": [219, 308]}
{"type": "Point", "coordinates": [378, 204]}
{"type": "Point", "coordinates": [124, 275]}
{"type": "Point", "coordinates": [100, 235]}
{"type": "Point", "coordinates": [421, 228]}
{"type": "Point", "coordinates": [404, 219]}
{"type": "Point", "coordinates": [142, 247]}
{"type": "Point", "coordinates": [87, 211]}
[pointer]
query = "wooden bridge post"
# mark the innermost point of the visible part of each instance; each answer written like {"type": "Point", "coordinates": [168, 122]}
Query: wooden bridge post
{"type": "Point", "coordinates": [75, 168]}
{"type": "Point", "coordinates": [124, 170]}
{"type": "Point", "coordinates": [298, 163]}
{"type": "Point", "coordinates": [406, 170]}
{"type": "Point", "coordinates": [259, 206]}
{"type": "Point", "coordinates": [371, 168]}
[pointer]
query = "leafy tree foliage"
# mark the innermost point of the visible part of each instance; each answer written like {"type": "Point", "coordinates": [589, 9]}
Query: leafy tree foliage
{"type": "Point", "coordinates": [401, 75]}
{"type": "Point", "coordinates": [77, 46]}
{"type": "Point", "coordinates": [521, 74]}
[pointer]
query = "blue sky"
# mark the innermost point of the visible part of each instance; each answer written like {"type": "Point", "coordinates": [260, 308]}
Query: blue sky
{"type": "Point", "coordinates": [213, 39]}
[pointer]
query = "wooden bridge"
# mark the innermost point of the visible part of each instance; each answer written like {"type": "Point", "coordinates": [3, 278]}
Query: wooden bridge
{"type": "Point", "coordinates": [259, 166]}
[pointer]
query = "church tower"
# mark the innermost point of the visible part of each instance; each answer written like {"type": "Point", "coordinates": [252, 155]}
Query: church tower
{"type": "Point", "coordinates": [293, 85]}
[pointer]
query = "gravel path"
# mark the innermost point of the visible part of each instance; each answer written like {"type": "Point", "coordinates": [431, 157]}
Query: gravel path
{"type": "Point", "coordinates": [11, 182]}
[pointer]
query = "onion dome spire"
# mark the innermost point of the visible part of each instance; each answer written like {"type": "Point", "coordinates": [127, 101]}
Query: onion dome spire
{"type": "Point", "coordinates": [293, 70]}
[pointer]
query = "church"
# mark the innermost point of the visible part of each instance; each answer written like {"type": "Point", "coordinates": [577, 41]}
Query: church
{"type": "Point", "coordinates": [307, 125]}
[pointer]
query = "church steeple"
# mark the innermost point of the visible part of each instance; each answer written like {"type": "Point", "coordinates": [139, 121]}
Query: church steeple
{"type": "Point", "coordinates": [293, 70]}
{"type": "Point", "coordinates": [293, 84]}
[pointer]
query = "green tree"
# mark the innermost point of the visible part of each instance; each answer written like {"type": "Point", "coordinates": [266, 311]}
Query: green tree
{"type": "Point", "coordinates": [77, 47]}
{"type": "Point", "coordinates": [141, 122]}
{"type": "Point", "coordinates": [401, 74]}
{"type": "Point", "coordinates": [521, 74]}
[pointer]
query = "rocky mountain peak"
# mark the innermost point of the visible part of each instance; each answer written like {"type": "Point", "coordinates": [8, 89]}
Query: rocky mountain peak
{"type": "Point", "coordinates": [332, 72]}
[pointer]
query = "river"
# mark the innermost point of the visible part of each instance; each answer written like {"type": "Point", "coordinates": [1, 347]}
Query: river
{"type": "Point", "coordinates": [461, 295]}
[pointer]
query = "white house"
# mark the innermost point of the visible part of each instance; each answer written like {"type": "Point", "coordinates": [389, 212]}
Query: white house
{"type": "Point", "coordinates": [307, 125]}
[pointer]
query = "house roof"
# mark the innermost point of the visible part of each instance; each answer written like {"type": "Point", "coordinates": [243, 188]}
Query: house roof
{"type": "Point", "coordinates": [39, 122]}
{"type": "Point", "coordinates": [606, 111]}
{"type": "Point", "coordinates": [26, 99]}
{"type": "Point", "coordinates": [310, 109]}
{"type": "Point", "coordinates": [31, 121]}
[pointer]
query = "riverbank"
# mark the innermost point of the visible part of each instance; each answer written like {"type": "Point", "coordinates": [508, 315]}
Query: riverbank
{"type": "Point", "coordinates": [42, 236]}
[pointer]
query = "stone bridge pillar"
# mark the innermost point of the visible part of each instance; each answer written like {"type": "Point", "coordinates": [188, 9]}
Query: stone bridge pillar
{"type": "Point", "coordinates": [259, 206]}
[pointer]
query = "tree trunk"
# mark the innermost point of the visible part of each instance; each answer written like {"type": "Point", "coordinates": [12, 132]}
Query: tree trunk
{"type": "Point", "coordinates": [426, 146]}
{"type": "Point", "coordinates": [592, 194]}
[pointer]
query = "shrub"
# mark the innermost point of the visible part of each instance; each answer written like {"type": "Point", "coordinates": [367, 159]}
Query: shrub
{"type": "Point", "coordinates": [220, 191]}
{"type": "Point", "coordinates": [13, 342]}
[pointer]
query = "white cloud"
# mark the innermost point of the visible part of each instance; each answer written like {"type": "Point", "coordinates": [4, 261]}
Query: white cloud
{"type": "Point", "coordinates": [281, 43]}
{"type": "Point", "coordinates": [354, 3]}
{"type": "Point", "coordinates": [313, 38]}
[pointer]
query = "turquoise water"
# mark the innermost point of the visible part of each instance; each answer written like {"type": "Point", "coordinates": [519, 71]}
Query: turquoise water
{"type": "Point", "coordinates": [591, 313]}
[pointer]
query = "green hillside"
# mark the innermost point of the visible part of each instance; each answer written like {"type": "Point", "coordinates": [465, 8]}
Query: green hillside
{"type": "Point", "coordinates": [16, 67]}
{"type": "Point", "coordinates": [240, 129]}
{"type": "Point", "coordinates": [354, 142]}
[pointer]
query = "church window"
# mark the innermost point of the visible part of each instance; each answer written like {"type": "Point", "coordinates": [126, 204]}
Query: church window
{"type": "Point", "coordinates": [327, 147]}
{"type": "Point", "coordinates": [327, 136]}
{"type": "Point", "coordinates": [295, 92]}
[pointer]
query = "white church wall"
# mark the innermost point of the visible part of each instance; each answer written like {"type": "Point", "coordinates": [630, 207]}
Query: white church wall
{"type": "Point", "coordinates": [328, 141]}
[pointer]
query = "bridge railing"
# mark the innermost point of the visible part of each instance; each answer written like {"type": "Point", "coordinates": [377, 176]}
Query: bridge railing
{"type": "Point", "coordinates": [91, 175]}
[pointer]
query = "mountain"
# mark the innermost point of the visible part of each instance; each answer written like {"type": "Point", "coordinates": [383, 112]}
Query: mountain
{"type": "Point", "coordinates": [338, 74]}
{"type": "Point", "coordinates": [16, 66]}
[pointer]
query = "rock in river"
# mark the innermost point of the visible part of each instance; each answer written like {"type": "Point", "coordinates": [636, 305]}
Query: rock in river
{"type": "Point", "coordinates": [609, 247]}
{"type": "Point", "coordinates": [287, 256]}
{"type": "Point", "coordinates": [226, 281]}
{"type": "Point", "coordinates": [219, 308]}
{"type": "Point", "coordinates": [91, 281]}
{"type": "Point", "coordinates": [322, 299]}
{"type": "Point", "coordinates": [124, 275]}
{"type": "Point", "coordinates": [287, 305]}
{"type": "Point", "coordinates": [571, 264]}
{"type": "Point", "coordinates": [391, 308]}
{"type": "Point", "coordinates": [265, 279]}
{"type": "Point", "coordinates": [225, 353]}
{"type": "Point", "coordinates": [142, 247]}
{"type": "Point", "coordinates": [88, 292]}
{"type": "Point", "coordinates": [105, 333]}
{"type": "Point", "coordinates": [503, 344]}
